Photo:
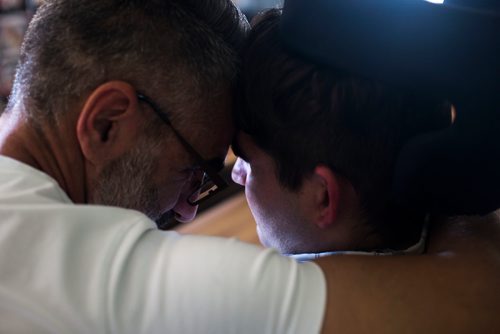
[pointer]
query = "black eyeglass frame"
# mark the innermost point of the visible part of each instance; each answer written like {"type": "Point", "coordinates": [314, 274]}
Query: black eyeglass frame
{"type": "Point", "coordinates": [208, 169]}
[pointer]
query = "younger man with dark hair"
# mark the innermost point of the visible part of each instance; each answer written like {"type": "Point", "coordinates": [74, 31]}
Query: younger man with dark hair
{"type": "Point", "coordinates": [318, 148]}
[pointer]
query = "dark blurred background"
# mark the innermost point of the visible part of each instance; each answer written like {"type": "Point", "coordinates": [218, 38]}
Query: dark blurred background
{"type": "Point", "coordinates": [14, 18]}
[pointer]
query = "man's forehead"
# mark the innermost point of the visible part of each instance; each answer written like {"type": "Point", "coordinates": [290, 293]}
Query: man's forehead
{"type": "Point", "coordinates": [220, 135]}
{"type": "Point", "coordinates": [212, 125]}
{"type": "Point", "coordinates": [215, 111]}
{"type": "Point", "coordinates": [216, 145]}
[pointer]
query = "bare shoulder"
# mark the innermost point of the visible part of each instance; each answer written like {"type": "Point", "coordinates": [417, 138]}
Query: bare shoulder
{"type": "Point", "coordinates": [475, 237]}
{"type": "Point", "coordinates": [452, 289]}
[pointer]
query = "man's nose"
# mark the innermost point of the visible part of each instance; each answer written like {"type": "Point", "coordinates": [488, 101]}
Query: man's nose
{"type": "Point", "coordinates": [184, 212]}
{"type": "Point", "coordinates": [239, 172]}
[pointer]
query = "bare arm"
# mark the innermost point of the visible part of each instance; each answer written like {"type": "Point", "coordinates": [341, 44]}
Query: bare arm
{"type": "Point", "coordinates": [453, 289]}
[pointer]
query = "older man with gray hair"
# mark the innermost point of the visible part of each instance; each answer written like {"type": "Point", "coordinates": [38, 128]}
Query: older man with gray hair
{"type": "Point", "coordinates": [121, 107]}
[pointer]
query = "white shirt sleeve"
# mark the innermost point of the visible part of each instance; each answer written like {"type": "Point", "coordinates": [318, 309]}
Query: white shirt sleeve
{"type": "Point", "coordinates": [80, 269]}
{"type": "Point", "coordinates": [165, 283]}
{"type": "Point", "coordinates": [121, 275]}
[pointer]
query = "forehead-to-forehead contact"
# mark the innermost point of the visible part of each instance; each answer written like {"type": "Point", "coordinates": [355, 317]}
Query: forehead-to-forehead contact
{"type": "Point", "coordinates": [208, 125]}
{"type": "Point", "coordinates": [244, 146]}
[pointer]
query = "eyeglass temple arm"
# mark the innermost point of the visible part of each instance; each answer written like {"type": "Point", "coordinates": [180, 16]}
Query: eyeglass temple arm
{"type": "Point", "coordinates": [212, 173]}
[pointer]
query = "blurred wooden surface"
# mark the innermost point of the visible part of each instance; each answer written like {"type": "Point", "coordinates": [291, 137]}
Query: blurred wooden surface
{"type": "Point", "coordinates": [231, 218]}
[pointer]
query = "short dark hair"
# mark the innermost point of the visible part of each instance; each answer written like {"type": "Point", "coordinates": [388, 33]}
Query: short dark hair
{"type": "Point", "coordinates": [188, 48]}
{"type": "Point", "coordinates": [304, 114]}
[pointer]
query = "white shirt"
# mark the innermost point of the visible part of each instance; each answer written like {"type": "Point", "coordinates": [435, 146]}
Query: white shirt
{"type": "Point", "coordinates": [418, 248]}
{"type": "Point", "coordinates": [67, 268]}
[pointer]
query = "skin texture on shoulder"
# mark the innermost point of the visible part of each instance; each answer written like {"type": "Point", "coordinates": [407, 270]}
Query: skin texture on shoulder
{"type": "Point", "coordinates": [451, 289]}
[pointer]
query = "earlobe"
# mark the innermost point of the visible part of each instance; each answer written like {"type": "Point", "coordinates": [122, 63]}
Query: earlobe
{"type": "Point", "coordinates": [327, 196]}
{"type": "Point", "coordinates": [108, 122]}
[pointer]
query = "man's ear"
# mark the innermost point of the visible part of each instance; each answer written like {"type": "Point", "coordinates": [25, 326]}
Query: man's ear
{"type": "Point", "coordinates": [326, 196]}
{"type": "Point", "coordinates": [109, 122]}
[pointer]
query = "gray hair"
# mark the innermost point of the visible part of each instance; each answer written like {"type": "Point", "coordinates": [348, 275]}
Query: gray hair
{"type": "Point", "coordinates": [173, 50]}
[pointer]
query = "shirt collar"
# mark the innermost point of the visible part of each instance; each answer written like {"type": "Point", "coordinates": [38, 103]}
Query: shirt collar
{"type": "Point", "coordinates": [416, 249]}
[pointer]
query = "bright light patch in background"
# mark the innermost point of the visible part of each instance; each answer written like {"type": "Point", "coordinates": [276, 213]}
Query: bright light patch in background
{"type": "Point", "coordinates": [436, 1]}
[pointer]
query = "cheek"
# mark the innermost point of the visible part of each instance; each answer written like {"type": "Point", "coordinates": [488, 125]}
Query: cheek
{"type": "Point", "coordinates": [261, 197]}
{"type": "Point", "coordinates": [267, 214]}
{"type": "Point", "coordinates": [255, 187]}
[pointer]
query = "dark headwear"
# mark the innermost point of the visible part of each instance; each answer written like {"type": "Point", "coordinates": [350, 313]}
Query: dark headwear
{"type": "Point", "coordinates": [450, 51]}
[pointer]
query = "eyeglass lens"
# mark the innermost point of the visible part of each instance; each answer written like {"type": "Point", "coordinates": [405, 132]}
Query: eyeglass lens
{"type": "Point", "coordinates": [206, 188]}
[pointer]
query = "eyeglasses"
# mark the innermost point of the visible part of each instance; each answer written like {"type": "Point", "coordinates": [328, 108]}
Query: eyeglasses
{"type": "Point", "coordinates": [211, 182]}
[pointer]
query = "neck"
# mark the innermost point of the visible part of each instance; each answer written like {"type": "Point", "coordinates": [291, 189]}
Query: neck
{"type": "Point", "coordinates": [49, 148]}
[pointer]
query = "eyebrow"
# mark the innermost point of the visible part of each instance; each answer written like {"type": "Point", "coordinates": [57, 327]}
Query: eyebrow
{"type": "Point", "coordinates": [237, 149]}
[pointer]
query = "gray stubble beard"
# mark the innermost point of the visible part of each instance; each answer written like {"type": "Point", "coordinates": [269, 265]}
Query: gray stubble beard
{"type": "Point", "coordinates": [127, 182]}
